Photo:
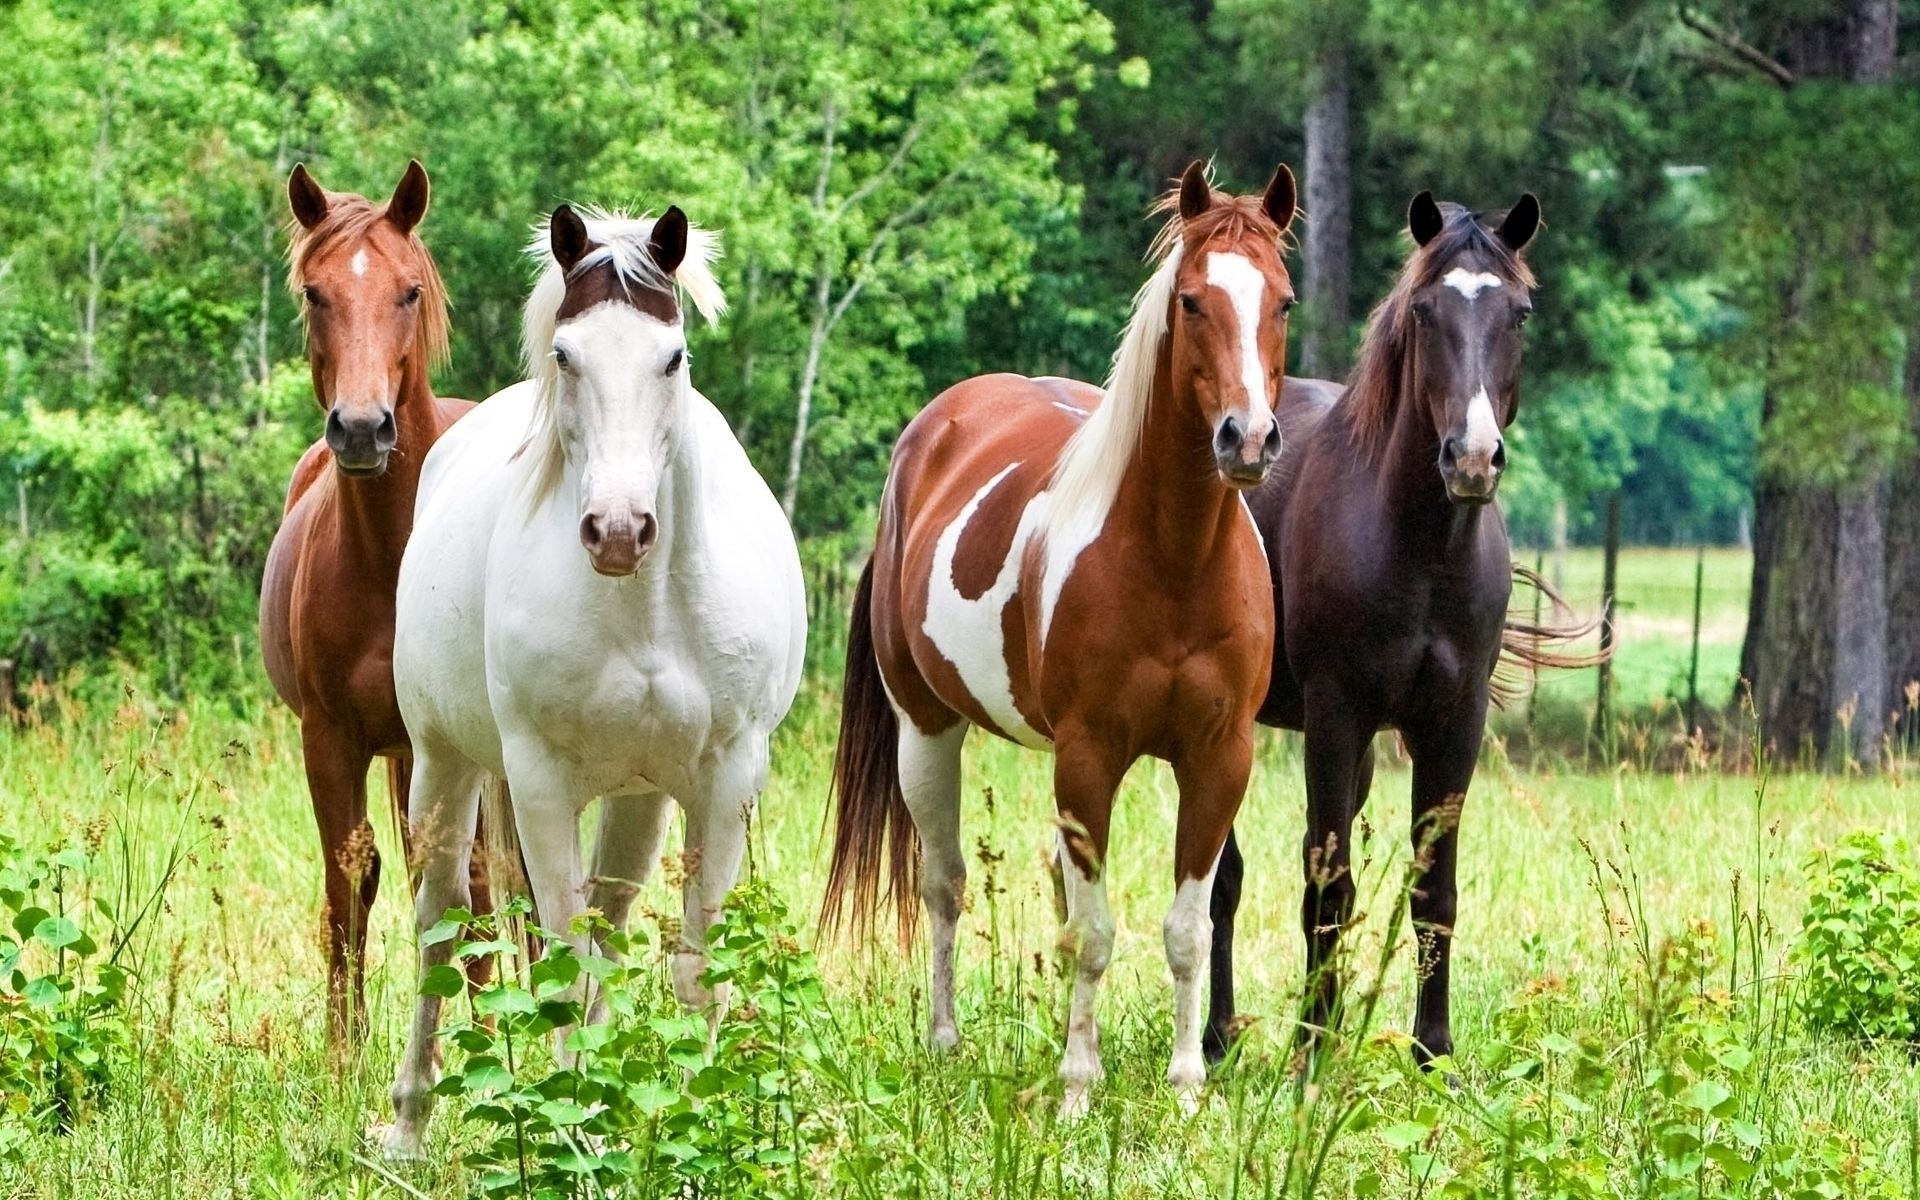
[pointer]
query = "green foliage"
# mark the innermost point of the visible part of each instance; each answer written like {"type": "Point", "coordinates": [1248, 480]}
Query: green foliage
{"type": "Point", "coordinates": [1859, 944]}
{"type": "Point", "coordinates": [63, 1029]}
{"type": "Point", "coordinates": [645, 1104]}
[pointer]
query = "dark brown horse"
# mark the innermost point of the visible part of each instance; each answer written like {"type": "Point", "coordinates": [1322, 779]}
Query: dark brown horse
{"type": "Point", "coordinates": [1391, 577]}
{"type": "Point", "coordinates": [1075, 571]}
{"type": "Point", "coordinates": [376, 320]}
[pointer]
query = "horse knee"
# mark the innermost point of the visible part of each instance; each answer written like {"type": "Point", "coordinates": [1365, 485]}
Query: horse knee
{"type": "Point", "coordinates": [1188, 932]}
{"type": "Point", "coordinates": [942, 887]}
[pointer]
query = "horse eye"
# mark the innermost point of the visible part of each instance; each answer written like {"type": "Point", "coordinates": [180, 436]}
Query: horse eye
{"type": "Point", "coordinates": [560, 358]}
{"type": "Point", "coordinates": [1520, 318]}
{"type": "Point", "coordinates": [1287, 305]}
{"type": "Point", "coordinates": [673, 364]}
{"type": "Point", "coordinates": [1422, 314]}
{"type": "Point", "coordinates": [412, 296]}
{"type": "Point", "coordinates": [1189, 305]}
{"type": "Point", "coordinates": [312, 295]}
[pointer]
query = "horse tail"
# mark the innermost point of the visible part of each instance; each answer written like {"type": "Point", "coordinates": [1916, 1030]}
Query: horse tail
{"type": "Point", "coordinates": [1528, 647]}
{"type": "Point", "coordinates": [871, 823]}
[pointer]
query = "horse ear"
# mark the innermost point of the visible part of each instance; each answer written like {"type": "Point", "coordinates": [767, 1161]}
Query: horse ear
{"type": "Point", "coordinates": [1196, 194]}
{"type": "Point", "coordinates": [1423, 218]}
{"type": "Point", "coordinates": [1280, 196]}
{"type": "Point", "coordinates": [409, 203]}
{"type": "Point", "coordinates": [307, 198]}
{"type": "Point", "coordinates": [668, 243]}
{"type": "Point", "coordinates": [567, 236]}
{"type": "Point", "coordinates": [1521, 223]}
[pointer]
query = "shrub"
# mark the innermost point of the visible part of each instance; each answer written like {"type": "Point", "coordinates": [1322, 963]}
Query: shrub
{"type": "Point", "coordinates": [61, 1025]}
{"type": "Point", "coordinates": [1859, 943]}
{"type": "Point", "coordinates": [643, 1108]}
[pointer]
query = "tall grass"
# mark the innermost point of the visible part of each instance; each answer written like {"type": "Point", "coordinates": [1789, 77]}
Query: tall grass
{"type": "Point", "coordinates": [1621, 960]}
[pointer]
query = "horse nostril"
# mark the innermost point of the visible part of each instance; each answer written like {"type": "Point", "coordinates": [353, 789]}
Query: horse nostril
{"type": "Point", "coordinates": [385, 435]}
{"type": "Point", "coordinates": [590, 532]}
{"type": "Point", "coordinates": [1227, 439]}
{"type": "Point", "coordinates": [1450, 452]}
{"type": "Point", "coordinates": [336, 428]}
{"type": "Point", "coordinates": [1500, 455]}
{"type": "Point", "coordinates": [645, 530]}
{"type": "Point", "coordinates": [1270, 448]}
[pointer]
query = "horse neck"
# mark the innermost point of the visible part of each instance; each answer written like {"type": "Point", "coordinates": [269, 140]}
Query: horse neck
{"type": "Point", "coordinates": [1172, 487]}
{"type": "Point", "coordinates": [1417, 501]}
{"type": "Point", "coordinates": [377, 513]}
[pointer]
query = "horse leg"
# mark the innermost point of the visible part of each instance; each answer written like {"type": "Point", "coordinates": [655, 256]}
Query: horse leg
{"type": "Point", "coordinates": [337, 782]}
{"type": "Point", "coordinates": [930, 784]}
{"type": "Point", "coordinates": [1085, 776]}
{"type": "Point", "coordinates": [632, 830]}
{"type": "Point", "coordinates": [1334, 750]}
{"type": "Point", "coordinates": [716, 841]}
{"type": "Point", "coordinates": [445, 806]}
{"type": "Point", "coordinates": [1443, 762]}
{"type": "Point", "coordinates": [1225, 905]}
{"type": "Point", "coordinates": [1212, 782]}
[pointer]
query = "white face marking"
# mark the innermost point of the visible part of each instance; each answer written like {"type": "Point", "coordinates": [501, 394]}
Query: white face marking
{"type": "Point", "coordinates": [1470, 283]}
{"type": "Point", "coordinates": [1245, 287]}
{"type": "Point", "coordinates": [1483, 428]}
{"type": "Point", "coordinates": [359, 263]}
{"type": "Point", "coordinates": [967, 632]}
{"type": "Point", "coordinates": [617, 413]}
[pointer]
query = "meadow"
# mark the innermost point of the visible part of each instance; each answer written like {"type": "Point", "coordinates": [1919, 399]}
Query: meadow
{"type": "Point", "coordinates": [1626, 1006]}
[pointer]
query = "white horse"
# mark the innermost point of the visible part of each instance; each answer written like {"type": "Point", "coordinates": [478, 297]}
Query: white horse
{"type": "Point", "coordinates": [600, 598]}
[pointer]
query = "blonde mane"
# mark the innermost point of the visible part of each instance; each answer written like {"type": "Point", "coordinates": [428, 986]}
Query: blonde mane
{"type": "Point", "coordinates": [621, 240]}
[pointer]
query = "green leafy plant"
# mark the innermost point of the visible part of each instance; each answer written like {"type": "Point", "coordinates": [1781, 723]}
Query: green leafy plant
{"type": "Point", "coordinates": [62, 1028]}
{"type": "Point", "coordinates": [642, 1105]}
{"type": "Point", "coordinates": [1859, 944]}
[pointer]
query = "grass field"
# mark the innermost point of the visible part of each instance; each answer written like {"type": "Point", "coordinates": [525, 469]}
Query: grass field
{"type": "Point", "coordinates": [1624, 1007]}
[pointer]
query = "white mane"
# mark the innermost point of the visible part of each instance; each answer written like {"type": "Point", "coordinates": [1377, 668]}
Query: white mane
{"type": "Point", "coordinates": [623, 241]}
{"type": "Point", "coordinates": [1097, 457]}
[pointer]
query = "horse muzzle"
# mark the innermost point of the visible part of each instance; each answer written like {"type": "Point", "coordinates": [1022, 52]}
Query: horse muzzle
{"type": "Point", "coordinates": [1245, 450]}
{"type": "Point", "coordinates": [1472, 476]}
{"type": "Point", "coordinates": [617, 537]}
{"type": "Point", "coordinates": [361, 443]}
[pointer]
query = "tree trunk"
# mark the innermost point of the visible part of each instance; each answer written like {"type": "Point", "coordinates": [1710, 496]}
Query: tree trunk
{"type": "Point", "coordinates": [1793, 648]}
{"type": "Point", "coordinates": [1329, 207]}
{"type": "Point", "coordinates": [1860, 620]}
{"type": "Point", "coordinates": [803, 402]}
{"type": "Point", "coordinates": [1903, 554]}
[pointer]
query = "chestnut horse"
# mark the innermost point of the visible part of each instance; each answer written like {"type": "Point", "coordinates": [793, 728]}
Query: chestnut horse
{"type": "Point", "coordinates": [1076, 571]}
{"type": "Point", "coordinates": [376, 321]}
{"type": "Point", "coordinates": [1391, 577]}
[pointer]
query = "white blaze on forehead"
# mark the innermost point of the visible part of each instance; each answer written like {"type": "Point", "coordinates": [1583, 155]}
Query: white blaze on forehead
{"type": "Point", "coordinates": [359, 263]}
{"type": "Point", "coordinates": [1470, 283]}
{"type": "Point", "coordinates": [1245, 287]}
{"type": "Point", "coordinates": [1483, 427]}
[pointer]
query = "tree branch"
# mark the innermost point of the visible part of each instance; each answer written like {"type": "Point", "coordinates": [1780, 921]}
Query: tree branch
{"type": "Point", "coordinates": [1739, 47]}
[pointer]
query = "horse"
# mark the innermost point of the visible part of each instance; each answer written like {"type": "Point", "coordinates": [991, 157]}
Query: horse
{"type": "Point", "coordinates": [602, 598]}
{"type": "Point", "coordinates": [375, 313]}
{"type": "Point", "coordinates": [1391, 575]}
{"type": "Point", "coordinates": [1075, 570]}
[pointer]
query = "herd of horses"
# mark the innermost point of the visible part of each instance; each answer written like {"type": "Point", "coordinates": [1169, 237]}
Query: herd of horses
{"type": "Point", "coordinates": [582, 589]}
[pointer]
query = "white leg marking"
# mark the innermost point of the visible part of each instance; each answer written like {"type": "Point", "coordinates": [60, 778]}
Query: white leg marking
{"type": "Point", "coordinates": [1470, 283]}
{"type": "Point", "coordinates": [1090, 932]}
{"type": "Point", "coordinates": [930, 784]}
{"type": "Point", "coordinates": [1189, 938]}
{"type": "Point", "coordinates": [967, 632]}
{"type": "Point", "coordinates": [1483, 428]}
{"type": "Point", "coordinates": [358, 265]}
{"type": "Point", "coordinates": [1246, 289]}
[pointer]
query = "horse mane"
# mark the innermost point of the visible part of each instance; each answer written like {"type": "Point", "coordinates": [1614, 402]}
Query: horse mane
{"type": "Point", "coordinates": [348, 218]}
{"type": "Point", "coordinates": [1374, 388]}
{"type": "Point", "coordinates": [1096, 458]}
{"type": "Point", "coordinates": [622, 240]}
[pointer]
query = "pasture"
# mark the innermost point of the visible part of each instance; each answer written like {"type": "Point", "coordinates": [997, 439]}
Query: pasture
{"type": "Point", "coordinates": [1624, 1004]}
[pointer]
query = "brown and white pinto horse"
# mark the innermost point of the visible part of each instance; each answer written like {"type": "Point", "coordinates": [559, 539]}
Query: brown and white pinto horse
{"type": "Point", "coordinates": [1077, 572]}
{"type": "Point", "coordinates": [376, 320]}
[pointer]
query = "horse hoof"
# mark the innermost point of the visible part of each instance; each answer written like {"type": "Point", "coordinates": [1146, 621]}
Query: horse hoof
{"type": "Point", "coordinates": [396, 1144]}
{"type": "Point", "coordinates": [1075, 1102]}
